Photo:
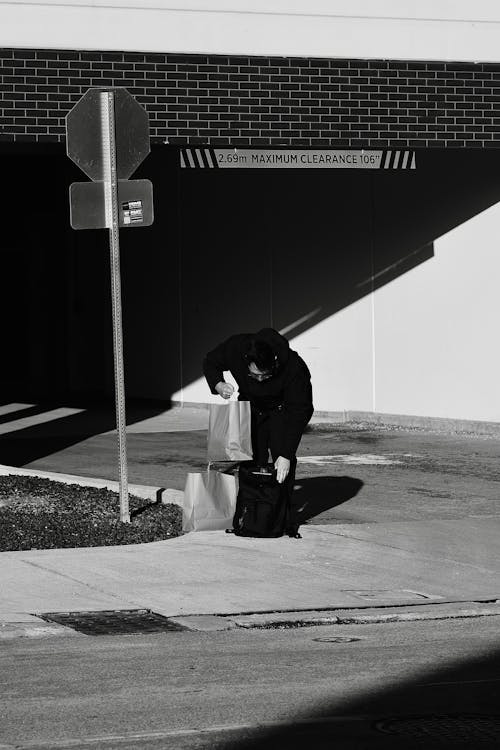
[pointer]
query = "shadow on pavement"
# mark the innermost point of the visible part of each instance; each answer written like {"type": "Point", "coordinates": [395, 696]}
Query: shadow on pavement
{"type": "Point", "coordinates": [316, 495]}
{"type": "Point", "coordinates": [24, 413]}
{"type": "Point", "coordinates": [454, 705]}
{"type": "Point", "coordinates": [23, 446]}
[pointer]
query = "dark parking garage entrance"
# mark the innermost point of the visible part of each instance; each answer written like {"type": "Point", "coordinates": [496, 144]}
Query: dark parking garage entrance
{"type": "Point", "coordinates": [232, 249]}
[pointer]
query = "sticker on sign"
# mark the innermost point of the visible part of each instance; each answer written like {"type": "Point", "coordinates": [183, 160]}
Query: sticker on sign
{"type": "Point", "coordinates": [132, 212]}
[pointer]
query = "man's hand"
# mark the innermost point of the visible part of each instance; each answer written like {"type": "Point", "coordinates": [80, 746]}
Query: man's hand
{"type": "Point", "coordinates": [225, 390]}
{"type": "Point", "coordinates": [282, 466]}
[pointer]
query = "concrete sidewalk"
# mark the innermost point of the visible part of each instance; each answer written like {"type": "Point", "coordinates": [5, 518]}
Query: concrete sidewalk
{"type": "Point", "coordinates": [447, 567]}
{"type": "Point", "coordinates": [341, 567]}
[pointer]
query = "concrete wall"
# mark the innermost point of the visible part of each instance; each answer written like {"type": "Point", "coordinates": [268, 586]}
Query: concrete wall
{"type": "Point", "coordinates": [422, 345]}
{"type": "Point", "coordinates": [392, 300]}
{"type": "Point", "coordinates": [385, 281]}
{"type": "Point", "coordinates": [435, 329]}
{"type": "Point", "coordinates": [397, 29]}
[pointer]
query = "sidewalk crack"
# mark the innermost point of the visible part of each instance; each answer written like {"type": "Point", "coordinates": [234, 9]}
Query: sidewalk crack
{"type": "Point", "coordinates": [79, 582]}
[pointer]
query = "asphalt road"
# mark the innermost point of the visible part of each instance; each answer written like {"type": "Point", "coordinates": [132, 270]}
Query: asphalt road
{"type": "Point", "coordinates": [405, 475]}
{"type": "Point", "coordinates": [394, 685]}
{"type": "Point", "coordinates": [348, 474]}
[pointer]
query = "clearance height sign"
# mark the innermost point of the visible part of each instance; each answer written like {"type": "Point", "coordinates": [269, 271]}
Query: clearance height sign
{"type": "Point", "coordinates": [232, 158]}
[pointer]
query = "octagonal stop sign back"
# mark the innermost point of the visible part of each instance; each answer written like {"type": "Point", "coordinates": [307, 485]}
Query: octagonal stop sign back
{"type": "Point", "coordinates": [84, 133]}
{"type": "Point", "coordinates": [88, 143]}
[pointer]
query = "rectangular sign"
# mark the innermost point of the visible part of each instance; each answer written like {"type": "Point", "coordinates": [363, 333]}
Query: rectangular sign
{"type": "Point", "coordinates": [87, 201]}
{"type": "Point", "coordinates": [233, 158]}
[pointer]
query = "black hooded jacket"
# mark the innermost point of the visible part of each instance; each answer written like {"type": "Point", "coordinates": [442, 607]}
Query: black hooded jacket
{"type": "Point", "coordinates": [289, 388]}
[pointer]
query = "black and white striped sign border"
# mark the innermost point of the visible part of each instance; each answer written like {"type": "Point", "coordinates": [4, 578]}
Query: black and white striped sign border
{"type": "Point", "coordinates": [205, 158]}
{"type": "Point", "coordinates": [192, 158]}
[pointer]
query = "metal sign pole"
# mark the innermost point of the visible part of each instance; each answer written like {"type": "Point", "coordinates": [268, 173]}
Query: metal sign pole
{"type": "Point", "coordinates": [107, 136]}
{"type": "Point", "coordinates": [111, 201]}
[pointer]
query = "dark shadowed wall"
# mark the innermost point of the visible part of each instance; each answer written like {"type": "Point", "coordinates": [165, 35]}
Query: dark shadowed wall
{"type": "Point", "coordinates": [312, 252]}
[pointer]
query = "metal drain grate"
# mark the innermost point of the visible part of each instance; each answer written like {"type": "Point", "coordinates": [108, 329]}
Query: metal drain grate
{"type": "Point", "coordinates": [113, 622]}
{"type": "Point", "coordinates": [445, 727]}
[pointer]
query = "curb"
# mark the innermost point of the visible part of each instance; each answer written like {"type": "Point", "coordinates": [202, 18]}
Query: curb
{"type": "Point", "coordinates": [145, 492]}
{"type": "Point", "coordinates": [311, 618]}
{"type": "Point", "coordinates": [34, 629]}
{"type": "Point", "coordinates": [32, 626]}
{"type": "Point", "coordinates": [324, 419]}
{"type": "Point", "coordinates": [331, 421]}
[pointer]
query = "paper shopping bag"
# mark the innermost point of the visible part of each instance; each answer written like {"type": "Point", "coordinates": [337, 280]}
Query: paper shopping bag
{"type": "Point", "coordinates": [229, 432]}
{"type": "Point", "coordinates": [209, 501]}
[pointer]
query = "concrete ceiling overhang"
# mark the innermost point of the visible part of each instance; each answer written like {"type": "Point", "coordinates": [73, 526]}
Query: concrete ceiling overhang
{"type": "Point", "coordinates": [444, 30]}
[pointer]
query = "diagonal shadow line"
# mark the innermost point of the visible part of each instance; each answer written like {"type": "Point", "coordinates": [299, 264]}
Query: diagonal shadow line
{"type": "Point", "coordinates": [429, 710]}
{"type": "Point", "coordinates": [320, 272]}
{"type": "Point", "coordinates": [21, 447]}
{"type": "Point", "coordinates": [31, 411]}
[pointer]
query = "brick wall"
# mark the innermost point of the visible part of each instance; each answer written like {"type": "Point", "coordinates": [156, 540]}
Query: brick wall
{"type": "Point", "coordinates": [260, 100]}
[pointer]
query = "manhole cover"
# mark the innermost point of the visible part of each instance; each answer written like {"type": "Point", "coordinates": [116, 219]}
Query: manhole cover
{"type": "Point", "coordinates": [445, 727]}
{"type": "Point", "coordinates": [113, 622]}
{"type": "Point", "coordinates": [337, 639]}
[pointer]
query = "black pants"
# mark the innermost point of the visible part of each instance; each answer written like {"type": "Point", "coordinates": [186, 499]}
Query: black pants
{"type": "Point", "coordinates": [268, 435]}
